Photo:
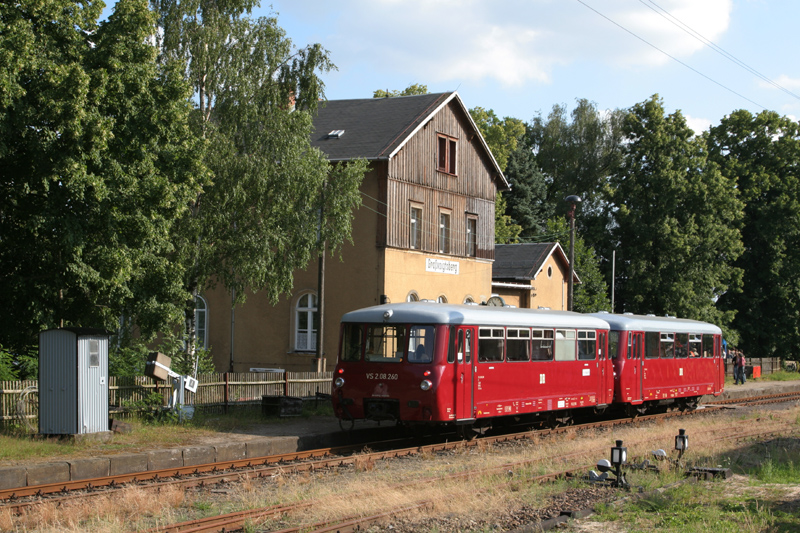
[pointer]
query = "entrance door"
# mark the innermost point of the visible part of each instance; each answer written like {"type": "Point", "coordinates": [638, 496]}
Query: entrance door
{"type": "Point", "coordinates": [606, 370]}
{"type": "Point", "coordinates": [636, 356]}
{"type": "Point", "coordinates": [464, 373]}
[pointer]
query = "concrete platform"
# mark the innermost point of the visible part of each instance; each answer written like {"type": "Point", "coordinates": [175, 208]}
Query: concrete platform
{"type": "Point", "coordinates": [280, 436]}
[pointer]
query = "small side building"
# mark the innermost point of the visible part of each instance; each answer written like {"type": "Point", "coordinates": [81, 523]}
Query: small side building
{"type": "Point", "coordinates": [73, 381]}
{"type": "Point", "coordinates": [532, 276]}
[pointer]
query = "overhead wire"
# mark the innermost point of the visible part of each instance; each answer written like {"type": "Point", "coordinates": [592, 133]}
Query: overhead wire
{"type": "Point", "coordinates": [711, 44]}
{"type": "Point", "coordinates": [648, 43]}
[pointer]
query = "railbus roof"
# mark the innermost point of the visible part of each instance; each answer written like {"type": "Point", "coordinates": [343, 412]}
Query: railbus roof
{"type": "Point", "coordinates": [475, 315]}
{"type": "Point", "coordinates": [652, 323]}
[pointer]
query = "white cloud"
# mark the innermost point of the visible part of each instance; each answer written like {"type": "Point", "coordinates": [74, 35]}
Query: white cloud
{"type": "Point", "coordinates": [784, 81]}
{"type": "Point", "coordinates": [510, 41]}
{"type": "Point", "coordinates": [699, 125]}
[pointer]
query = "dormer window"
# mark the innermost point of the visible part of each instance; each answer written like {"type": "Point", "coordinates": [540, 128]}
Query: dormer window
{"type": "Point", "coordinates": [446, 154]}
{"type": "Point", "coordinates": [335, 134]}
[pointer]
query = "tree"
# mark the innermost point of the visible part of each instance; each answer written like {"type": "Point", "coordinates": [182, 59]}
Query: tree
{"type": "Point", "coordinates": [761, 154]}
{"type": "Point", "coordinates": [502, 136]}
{"type": "Point", "coordinates": [577, 153]}
{"type": "Point", "coordinates": [98, 162]}
{"type": "Point", "coordinates": [526, 202]}
{"type": "Point", "coordinates": [411, 90]}
{"type": "Point", "coordinates": [505, 231]}
{"type": "Point", "coordinates": [676, 220]}
{"type": "Point", "coordinates": [274, 202]}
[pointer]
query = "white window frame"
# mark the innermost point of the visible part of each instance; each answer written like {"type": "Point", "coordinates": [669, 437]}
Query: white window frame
{"type": "Point", "coordinates": [305, 339]}
{"type": "Point", "coordinates": [445, 228]}
{"type": "Point", "coordinates": [201, 322]}
{"type": "Point", "coordinates": [415, 230]}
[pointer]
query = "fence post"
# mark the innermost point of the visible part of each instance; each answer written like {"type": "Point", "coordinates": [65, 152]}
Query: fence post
{"type": "Point", "coordinates": [225, 393]}
{"type": "Point", "coordinates": [286, 383]}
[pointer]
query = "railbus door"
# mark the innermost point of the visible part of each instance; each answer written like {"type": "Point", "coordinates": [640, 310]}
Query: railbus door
{"type": "Point", "coordinates": [464, 374]}
{"type": "Point", "coordinates": [636, 354]}
{"type": "Point", "coordinates": [719, 381]}
{"type": "Point", "coordinates": [606, 373]}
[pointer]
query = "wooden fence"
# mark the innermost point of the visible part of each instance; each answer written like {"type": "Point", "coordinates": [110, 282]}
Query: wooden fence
{"type": "Point", "coordinates": [213, 391]}
{"type": "Point", "coordinates": [769, 365]}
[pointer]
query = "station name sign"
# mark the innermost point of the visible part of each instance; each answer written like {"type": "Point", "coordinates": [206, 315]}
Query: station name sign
{"type": "Point", "coordinates": [441, 266]}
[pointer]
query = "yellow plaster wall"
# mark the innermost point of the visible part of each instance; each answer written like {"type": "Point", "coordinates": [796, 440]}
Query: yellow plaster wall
{"type": "Point", "coordinates": [406, 271]}
{"type": "Point", "coordinates": [551, 291]}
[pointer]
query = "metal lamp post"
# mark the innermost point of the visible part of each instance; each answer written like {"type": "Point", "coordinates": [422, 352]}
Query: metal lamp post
{"type": "Point", "coordinates": [573, 200]}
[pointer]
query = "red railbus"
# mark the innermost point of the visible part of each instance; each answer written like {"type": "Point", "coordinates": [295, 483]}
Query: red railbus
{"type": "Point", "coordinates": [663, 361]}
{"type": "Point", "coordinates": [427, 363]}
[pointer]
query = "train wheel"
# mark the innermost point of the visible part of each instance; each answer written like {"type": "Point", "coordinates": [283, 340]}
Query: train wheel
{"type": "Point", "coordinates": [564, 419]}
{"type": "Point", "coordinates": [688, 404]}
{"type": "Point", "coordinates": [634, 410]}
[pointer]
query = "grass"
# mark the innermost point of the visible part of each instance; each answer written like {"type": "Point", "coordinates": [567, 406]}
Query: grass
{"type": "Point", "coordinates": [147, 432]}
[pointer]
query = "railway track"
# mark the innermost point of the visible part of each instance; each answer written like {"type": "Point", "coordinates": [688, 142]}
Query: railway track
{"type": "Point", "coordinates": [26, 498]}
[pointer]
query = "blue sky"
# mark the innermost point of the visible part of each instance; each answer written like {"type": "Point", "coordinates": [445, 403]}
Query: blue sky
{"type": "Point", "coordinates": [520, 57]}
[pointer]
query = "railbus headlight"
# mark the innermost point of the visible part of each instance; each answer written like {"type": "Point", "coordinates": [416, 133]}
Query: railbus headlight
{"type": "Point", "coordinates": [425, 385]}
{"type": "Point", "coordinates": [338, 382]}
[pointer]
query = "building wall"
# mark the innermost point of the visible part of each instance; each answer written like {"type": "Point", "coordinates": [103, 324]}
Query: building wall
{"type": "Point", "coordinates": [551, 291]}
{"type": "Point", "coordinates": [408, 271]}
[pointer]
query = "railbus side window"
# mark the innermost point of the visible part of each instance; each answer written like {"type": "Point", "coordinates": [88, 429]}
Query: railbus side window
{"type": "Point", "coordinates": [352, 342]}
{"type": "Point", "coordinates": [613, 344]}
{"type": "Point", "coordinates": [518, 344]}
{"type": "Point", "coordinates": [652, 341]}
{"type": "Point", "coordinates": [695, 345]}
{"type": "Point", "coordinates": [667, 345]}
{"type": "Point", "coordinates": [587, 345]}
{"type": "Point", "coordinates": [468, 347]}
{"type": "Point", "coordinates": [542, 345]}
{"type": "Point", "coordinates": [681, 345]}
{"type": "Point", "coordinates": [708, 345]}
{"type": "Point", "coordinates": [451, 352]}
{"type": "Point", "coordinates": [490, 345]}
{"type": "Point", "coordinates": [385, 344]}
{"type": "Point", "coordinates": [565, 345]}
{"type": "Point", "coordinates": [420, 344]}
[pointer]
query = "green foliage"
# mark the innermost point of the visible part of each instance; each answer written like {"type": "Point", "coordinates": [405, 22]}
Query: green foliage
{"type": "Point", "coordinates": [7, 370]}
{"type": "Point", "coordinates": [257, 221]}
{"type": "Point", "coordinates": [98, 162]}
{"type": "Point", "coordinates": [761, 155]}
{"type": "Point", "coordinates": [676, 220]}
{"type": "Point", "coordinates": [527, 201]}
{"type": "Point", "coordinates": [578, 153]}
{"type": "Point", "coordinates": [502, 136]}
{"type": "Point", "coordinates": [505, 231]}
{"type": "Point", "coordinates": [411, 90]}
{"type": "Point", "coordinates": [127, 358]}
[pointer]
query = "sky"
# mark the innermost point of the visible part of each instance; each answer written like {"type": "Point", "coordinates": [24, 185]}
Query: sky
{"type": "Point", "coordinates": [706, 58]}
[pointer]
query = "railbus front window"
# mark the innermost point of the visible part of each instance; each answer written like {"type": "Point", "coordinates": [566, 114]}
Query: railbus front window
{"type": "Point", "coordinates": [542, 345]}
{"type": "Point", "coordinates": [352, 342]}
{"type": "Point", "coordinates": [385, 344]}
{"type": "Point", "coordinates": [420, 344]}
{"type": "Point", "coordinates": [587, 345]}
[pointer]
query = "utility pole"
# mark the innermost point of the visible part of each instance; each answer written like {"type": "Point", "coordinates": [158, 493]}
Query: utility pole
{"type": "Point", "coordinates": [573, 200]}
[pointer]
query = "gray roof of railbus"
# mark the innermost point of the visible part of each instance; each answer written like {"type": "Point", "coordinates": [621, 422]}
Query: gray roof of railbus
{"type": "Point", "coordinates": [455, 314]}
{"type": "Point", "coordinates": [628, 322]}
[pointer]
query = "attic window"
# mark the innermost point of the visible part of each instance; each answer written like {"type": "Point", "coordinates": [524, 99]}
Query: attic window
{"type": "Point", "coordinates": [335, 134]}
{"type": "Point", "coordinates": [446, 154]}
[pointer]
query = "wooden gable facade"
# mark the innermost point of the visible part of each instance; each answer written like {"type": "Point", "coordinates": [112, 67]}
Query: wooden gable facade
{"type": "Point", "coordinates": [414, 178]}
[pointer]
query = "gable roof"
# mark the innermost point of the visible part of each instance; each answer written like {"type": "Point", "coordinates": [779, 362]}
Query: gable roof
{"type": "Point", "coordinates": [525, 261]}
{"type": "Point", "coordinates": [377, 128]}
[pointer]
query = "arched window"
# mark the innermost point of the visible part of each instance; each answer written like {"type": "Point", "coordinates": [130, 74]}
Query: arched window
{"type": "Point", "coordinates": [201, 322]}
{"type": "Point", "coordinates": [306, 320]}
{"type": "Point", "coordinates": [441, 299]}
{"type": "Point", "coordinates": [412, 297]}
{"type": "Point", "coordinates": [469, 300]}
